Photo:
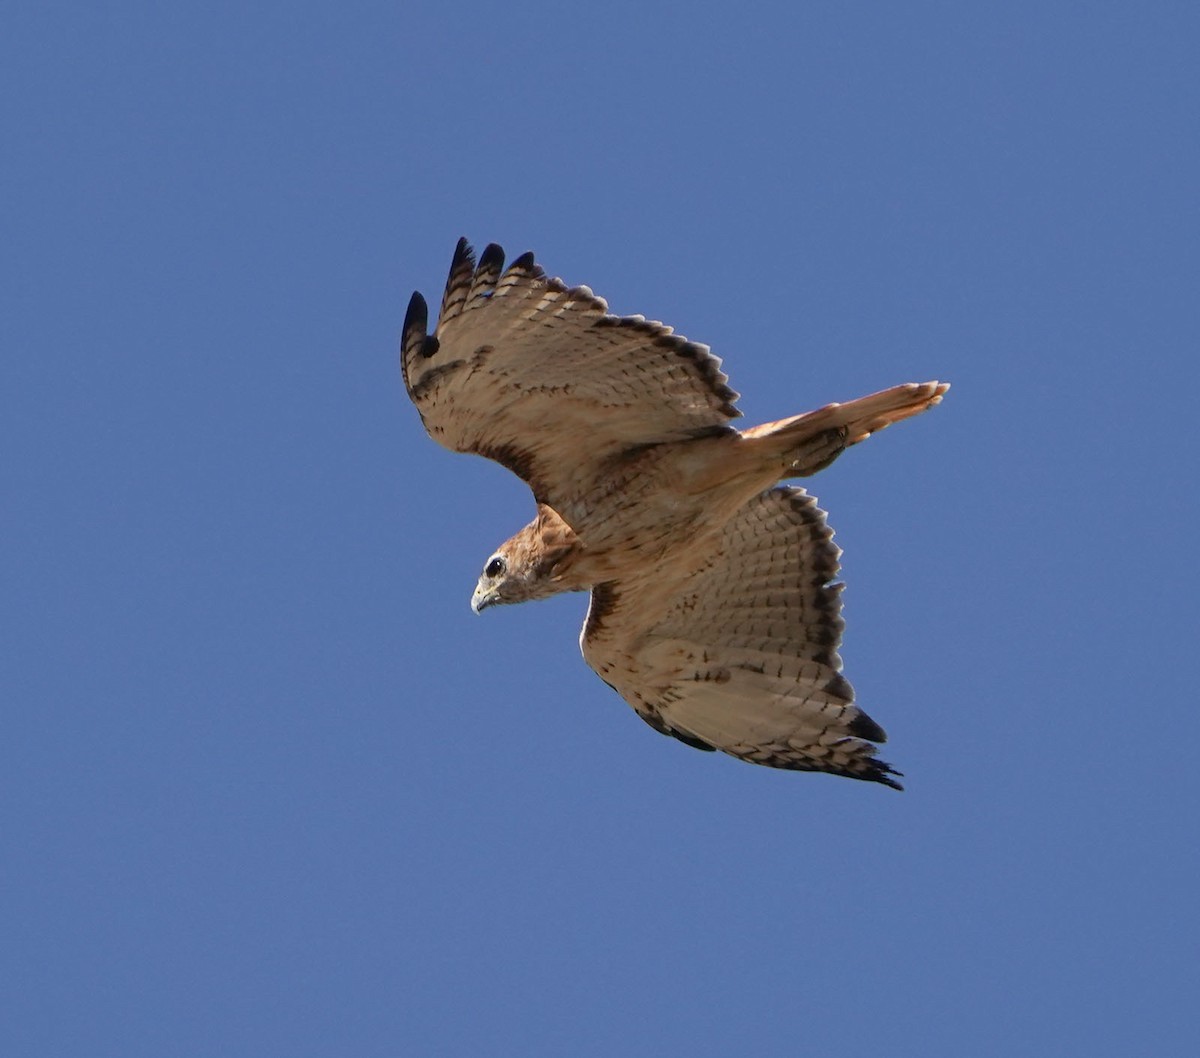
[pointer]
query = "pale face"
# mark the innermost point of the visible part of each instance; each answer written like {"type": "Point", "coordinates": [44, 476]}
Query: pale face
{"type": "Point", "coordinates": [527, 566]}
{"type": "Point", "coordinates": [511, 576]}
{"type": "Point", "coordinates": [492, 581]}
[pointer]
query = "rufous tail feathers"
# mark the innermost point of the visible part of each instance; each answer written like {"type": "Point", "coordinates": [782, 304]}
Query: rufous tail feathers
{"type": "Point", "coordinates": [807, 443]}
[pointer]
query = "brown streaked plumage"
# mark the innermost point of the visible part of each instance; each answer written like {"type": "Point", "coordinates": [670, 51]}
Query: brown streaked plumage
{"type": "Point", "coordinates": [713, 611]}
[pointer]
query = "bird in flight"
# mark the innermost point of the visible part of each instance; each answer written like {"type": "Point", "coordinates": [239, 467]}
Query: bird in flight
{"type": "Point", "coordinates": [714, 608]}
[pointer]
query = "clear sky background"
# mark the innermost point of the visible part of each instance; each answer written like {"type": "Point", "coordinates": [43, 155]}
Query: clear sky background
{"type": "Point", "coordinates": [270, 788]}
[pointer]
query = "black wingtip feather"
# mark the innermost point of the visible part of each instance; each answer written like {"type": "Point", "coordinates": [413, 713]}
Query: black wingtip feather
{"type": "Point", "coordinates": [862, 726]}
{"type": "Point", "coordinates": [885, 777]}
{"type": "Point", "coordinates": [527, 265]}
{"type": "Point", "coordinates": [413, 339]}
{"type": "Point", "coordinates": [458, 283]}
{"type": "Point", "coordinates": [417, 316]}
{"type": "Point", "coordinates": [463, 260]}
{"type": "Point", "coordinates": [492, 258]}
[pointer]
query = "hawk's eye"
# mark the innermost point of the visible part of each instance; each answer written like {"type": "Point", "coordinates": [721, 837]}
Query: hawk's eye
{"type": "Point", "coordinates": [494, 567]}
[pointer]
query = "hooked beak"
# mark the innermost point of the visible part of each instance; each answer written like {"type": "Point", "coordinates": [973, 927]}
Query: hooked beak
{"type": "Point", "coordinates": [483, 598]}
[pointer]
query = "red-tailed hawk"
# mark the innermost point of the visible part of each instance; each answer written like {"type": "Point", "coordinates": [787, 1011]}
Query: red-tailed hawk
{"type": "Point", "coordinates": [714, 611]}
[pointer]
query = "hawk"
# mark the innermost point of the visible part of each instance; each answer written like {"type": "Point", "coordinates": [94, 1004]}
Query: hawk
{"type": "Point", "coordinates": [714, 608]}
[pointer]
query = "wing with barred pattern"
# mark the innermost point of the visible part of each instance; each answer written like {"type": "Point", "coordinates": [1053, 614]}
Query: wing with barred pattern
{"type": "Point", "coordinates": [741, 655]}
{"type": "Point", "coordinates": [541, 378]}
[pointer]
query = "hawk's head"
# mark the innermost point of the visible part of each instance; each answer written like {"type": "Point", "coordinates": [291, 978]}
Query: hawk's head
{"type": "Point", "coordinates": [531, 565]}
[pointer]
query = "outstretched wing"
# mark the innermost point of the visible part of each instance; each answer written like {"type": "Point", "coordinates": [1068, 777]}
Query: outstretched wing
{"type": "Point", "coordinates": [540, 377]}
{"type": "Point", "coordinates": [742, 656]}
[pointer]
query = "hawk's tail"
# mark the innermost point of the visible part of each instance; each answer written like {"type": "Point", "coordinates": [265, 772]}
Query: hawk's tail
{"type": "Point", "coordinates": [807, 443]}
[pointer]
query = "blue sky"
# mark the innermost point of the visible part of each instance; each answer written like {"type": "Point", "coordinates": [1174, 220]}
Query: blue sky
{"type": "Point", "coordinates": [270, 788]}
